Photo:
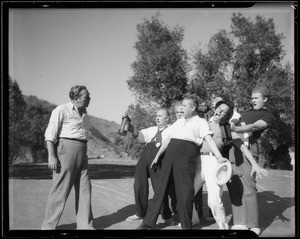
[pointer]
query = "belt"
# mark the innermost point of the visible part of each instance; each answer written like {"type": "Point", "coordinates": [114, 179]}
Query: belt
{"type": "Point", "coordinates": [79, 140]}
{"type": "Point", "coordinates": [206, 153]}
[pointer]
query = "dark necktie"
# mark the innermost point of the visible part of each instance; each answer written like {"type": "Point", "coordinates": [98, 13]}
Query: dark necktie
{"type": "Point", "coordinates": [157, 138]}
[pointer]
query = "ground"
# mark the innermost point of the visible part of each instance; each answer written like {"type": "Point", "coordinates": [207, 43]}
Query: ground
{"type": "Point", "coordinates": [113, 200]}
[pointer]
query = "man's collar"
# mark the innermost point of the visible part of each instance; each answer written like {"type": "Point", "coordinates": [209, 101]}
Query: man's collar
{"type": "Point", "coordinates": [72, 105]}
{"type": "Point", "coordinates": [162, 128]}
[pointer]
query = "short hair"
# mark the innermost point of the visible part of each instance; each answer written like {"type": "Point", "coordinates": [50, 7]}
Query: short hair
{"type": "Point", "coordinates": [176, 104]}
{"type": "Point", "coordinates": [75, 91]}
{"type": "Point", "coordinates": [194, 100]}
{"type": "Point", "coordinates": [165, 109]}
{"type": "Point", "coordinates": [261, 89]}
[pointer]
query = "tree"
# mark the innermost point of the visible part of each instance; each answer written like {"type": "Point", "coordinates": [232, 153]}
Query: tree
{"type": "Point", "coordinates": [35, 121]}
{"type": "Point", "coordinates": [141, 118]}
{"type": "Point", "coordinates": [236, 61]}
{"type": "Point", "coordinates": [160, 74]}
{"type": "Point", "coordinates": [161, 66]}
{"type": "Point", "coordinates": [28, 119]}
{"type": "Point", "coordinates": [17, 107]}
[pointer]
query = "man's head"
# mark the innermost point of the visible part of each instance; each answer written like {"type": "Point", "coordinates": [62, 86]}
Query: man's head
{"type": "Point", "coordinates": [190, 105]}
{"type": "Point", "coordinates": [259, 97]}
{"type": "Point", "coordinates": [80, 96]}
{"type": "Point", "coordinates": [223, 111]}
{"type": "Point", "coordinates": [178, 110]}
{"type": "Point", "coordinates": [162, 117]}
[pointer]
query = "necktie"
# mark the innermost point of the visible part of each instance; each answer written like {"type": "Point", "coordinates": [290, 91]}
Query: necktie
{"type": "Point", "coordinates": [157, 138]}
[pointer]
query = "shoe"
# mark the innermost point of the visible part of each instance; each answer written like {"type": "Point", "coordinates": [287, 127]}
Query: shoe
{"type": "Point", "coordinates": [239, 227]}
{"type": "Point", "coordinates": [256, 230]}
{"type": "Point", "coordinates": [169, 222]}
{"type": "Point", "coordinates": [133, 218]}
{"type": "Point", "coordinates": [144, 227]}
{"type": "Point", "coordinates": [179, 224]}
{"type": "Point", "coordinates": [175, 219]}
{"type": "Point", "coordinates": [223, 226]}
{"type": "Point", "coordinates": [209, 219]}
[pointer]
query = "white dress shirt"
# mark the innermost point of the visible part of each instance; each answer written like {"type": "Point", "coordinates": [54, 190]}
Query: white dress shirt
{"type": "Point", "coordinates": [146, 135]}
{"type": "Point", "coordinates": [193, 130]}
{"type": "Point", "coordinates": [65, 121]}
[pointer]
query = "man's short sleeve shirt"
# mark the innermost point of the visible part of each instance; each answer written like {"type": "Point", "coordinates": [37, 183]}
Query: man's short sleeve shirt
{"type": "Point", "coordinates": [193, 130]}
{"type": "Point", "coordinates": [146, 135]}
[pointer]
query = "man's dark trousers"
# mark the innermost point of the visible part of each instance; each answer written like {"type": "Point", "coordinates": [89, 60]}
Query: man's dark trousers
{"type": "Point", "coordinates": [141, 185]}
{"type": "Point", "coordinates": [180, 158]}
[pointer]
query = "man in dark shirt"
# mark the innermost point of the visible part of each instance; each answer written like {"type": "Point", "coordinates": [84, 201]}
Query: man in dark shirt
{"type": "Point", "coordinates": [252, 124]}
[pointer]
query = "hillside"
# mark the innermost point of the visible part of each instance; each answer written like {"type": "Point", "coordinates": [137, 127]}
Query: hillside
{"type": "Point", "coordinates": [102, 135]}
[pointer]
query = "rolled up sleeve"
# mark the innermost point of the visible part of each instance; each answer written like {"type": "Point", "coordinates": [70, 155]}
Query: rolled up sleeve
{"type": "Point", "coordinates": [54, 125]}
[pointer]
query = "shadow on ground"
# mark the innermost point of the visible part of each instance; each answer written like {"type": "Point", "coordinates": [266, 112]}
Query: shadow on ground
{"type": "Point", "coordinates": [106, 221]}
{"type": "Point", "coordinates": [96, 171]}
{"type": "Point", "coordinates": [271, 208]}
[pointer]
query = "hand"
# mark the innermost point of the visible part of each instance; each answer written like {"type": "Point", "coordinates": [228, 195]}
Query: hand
{"type": "Point", "coordinates": [256, 168]}
{"type": "Point", "coordinates": [154, 162]}
{"type": "Point", "coordinates": [131, 128]}
{"type": "Point", "coordinates": [220, 160]}
{"type": "Point", "coordinates": [232, 126]}
{"type": "Point", "coordinates": [234, 121]}
{"type": "Point", "coordinates": [53, 163]}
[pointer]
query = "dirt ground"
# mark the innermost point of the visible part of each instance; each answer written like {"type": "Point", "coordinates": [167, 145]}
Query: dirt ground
{"type": "Point", "coordinates": [113, 200]}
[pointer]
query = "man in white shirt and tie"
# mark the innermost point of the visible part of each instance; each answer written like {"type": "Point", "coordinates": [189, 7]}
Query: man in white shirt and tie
{"type": "Point", "coordinates": [152, 137]}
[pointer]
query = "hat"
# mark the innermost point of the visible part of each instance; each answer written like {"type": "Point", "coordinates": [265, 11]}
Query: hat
{"type": "Point", "coordinates": [223, 173]}
{"type": "Point", "coordinates": [229, 103]}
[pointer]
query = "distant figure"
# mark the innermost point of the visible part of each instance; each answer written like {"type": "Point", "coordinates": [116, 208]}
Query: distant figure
{"type": "Point", "coordinates": [66, 138]}
{"type": "Point", "coordinates": [292, 156]}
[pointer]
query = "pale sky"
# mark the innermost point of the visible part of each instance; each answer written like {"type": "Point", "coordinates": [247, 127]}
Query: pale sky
{"type": "Point", "coordinates": [50, 50]}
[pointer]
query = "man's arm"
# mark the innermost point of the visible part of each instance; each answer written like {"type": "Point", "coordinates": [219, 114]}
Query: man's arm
{"type": "Point", "coordinates": [53, 162]}
{"type": "Point", "coordinates": [214, 148]}
{"type": "Point", "coordinates": [162, 149]}
{"type": "Point", "coordinates": [258, 125]}
{"type": "Point", "coordinates": [133, 130]}
{"type": "Point", "coordinates": [255, 167]}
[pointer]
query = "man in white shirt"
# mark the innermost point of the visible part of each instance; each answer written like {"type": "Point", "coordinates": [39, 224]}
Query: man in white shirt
{"type": "Point", "coordinates": [182, 150]}
{"type": "Point", "coordinates": [66, 138]}
{"type": "Point", "coordinates": [152, 137]}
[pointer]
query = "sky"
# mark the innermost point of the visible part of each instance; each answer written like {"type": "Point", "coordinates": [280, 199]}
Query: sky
{"type": "Point", "coordinates": [51, 50]}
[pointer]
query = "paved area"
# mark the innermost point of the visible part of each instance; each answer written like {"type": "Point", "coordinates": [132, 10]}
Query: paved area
{"type": "Point", "coordinates": [113, 201]}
